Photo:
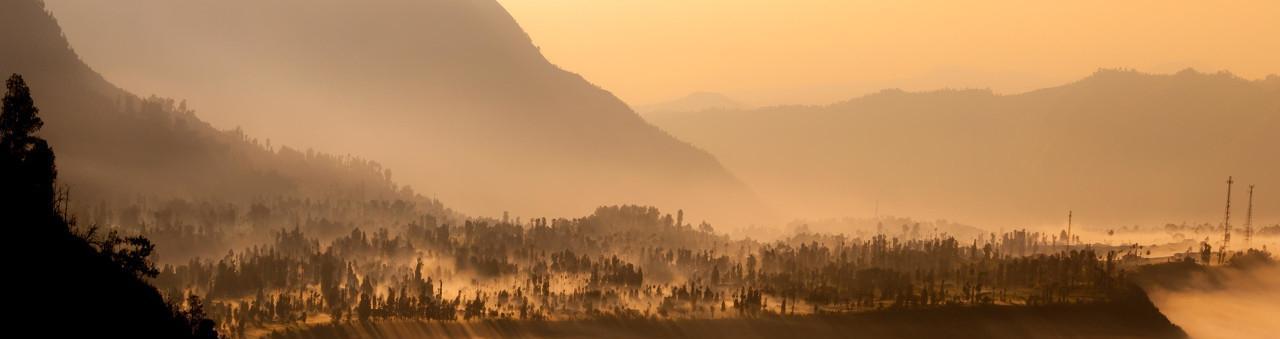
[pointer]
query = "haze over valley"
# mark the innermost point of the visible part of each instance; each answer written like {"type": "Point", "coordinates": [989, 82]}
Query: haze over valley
{"type": "Point", "coordinates": [438, 168]}
{"type": "Point", "coordinates": [1149, 143]}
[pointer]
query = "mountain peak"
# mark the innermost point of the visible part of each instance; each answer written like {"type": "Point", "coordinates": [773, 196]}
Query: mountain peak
{"type": "Point", "coordinates": [492, 125]}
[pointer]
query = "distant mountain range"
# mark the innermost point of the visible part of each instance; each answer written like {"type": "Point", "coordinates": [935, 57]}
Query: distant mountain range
{"type": "Point", "coordinates": [456, 98]}
{"type": "Point", "coordinates": [1118, 147]}
{"type": "Point", "coordinates": [695, 102]}
{"type": "Point", "coordinates": [452, 95]}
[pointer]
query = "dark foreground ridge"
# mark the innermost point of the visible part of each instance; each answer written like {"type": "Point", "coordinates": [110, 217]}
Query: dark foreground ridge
{"type": "Point", "coordinates": [1134, 318]}
{"type": "Point", "coordinates": [92, 285]}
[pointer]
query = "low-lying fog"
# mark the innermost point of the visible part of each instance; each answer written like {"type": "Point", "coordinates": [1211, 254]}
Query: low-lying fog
{"type": "Point", "coordinates": [1247, 305]}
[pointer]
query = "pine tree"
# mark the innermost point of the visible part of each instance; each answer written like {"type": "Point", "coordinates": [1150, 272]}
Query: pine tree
{"type": "Point", "coordinates": [19, 121]}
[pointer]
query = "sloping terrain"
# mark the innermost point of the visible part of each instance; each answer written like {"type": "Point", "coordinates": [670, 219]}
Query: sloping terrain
{"type": "Point", "coordinates": [452, 94]}
{"type": "Point", "coordinates": [1118, 148]}
{"type": "Point", "coordinates": [114, 145]}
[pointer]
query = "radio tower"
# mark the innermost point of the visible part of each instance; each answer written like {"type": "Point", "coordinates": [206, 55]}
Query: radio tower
{"type": "Point", "coordinates": [1226, 225]}
{"type": "Point", "coordinates": [1069, 230]}
{"type": "Point", "coordinates": [1248, 222]}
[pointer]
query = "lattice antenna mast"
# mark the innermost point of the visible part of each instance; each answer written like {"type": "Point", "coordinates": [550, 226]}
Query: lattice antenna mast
{"type": "Point", "coordinates": [1069, 214]}
{"type": "Point", "coordinates": [1248, 221]}
{"type": "Point", "coordinates": [1226, 225]}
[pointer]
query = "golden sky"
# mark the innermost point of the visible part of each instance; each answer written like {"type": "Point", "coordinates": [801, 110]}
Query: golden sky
{"type": "Point", "coordinates": [818, 51]}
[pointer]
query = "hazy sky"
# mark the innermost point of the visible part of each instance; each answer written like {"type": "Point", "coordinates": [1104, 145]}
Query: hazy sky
{"type": "Point", "coordinates": [817, 51]}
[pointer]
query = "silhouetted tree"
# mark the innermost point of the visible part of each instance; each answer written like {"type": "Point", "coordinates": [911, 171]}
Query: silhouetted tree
{"type": "Point", "coordinates": [27, 161]}
{"type": "Point", "coordinates": [20, 120]}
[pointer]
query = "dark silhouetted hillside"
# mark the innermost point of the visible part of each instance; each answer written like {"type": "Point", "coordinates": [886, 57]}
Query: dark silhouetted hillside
{"type": "Point", "coordinates": [95, 282]}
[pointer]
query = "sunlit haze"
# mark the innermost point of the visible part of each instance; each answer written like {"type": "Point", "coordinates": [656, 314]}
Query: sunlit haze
{"type": "Point", "coordinates": [545, 169]}
{"type": "Point", "coordinates": [767, 52]}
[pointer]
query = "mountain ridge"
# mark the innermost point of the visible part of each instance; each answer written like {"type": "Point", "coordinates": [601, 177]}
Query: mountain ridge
{"type": "Point", "coordinates": [969, 154]}
{"type": "Point", "coordinates": [693, 102]}
{"type": "Point", "coordinates": [452, 94]}
{"type": "Point", "coordinates": [115, 145]}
